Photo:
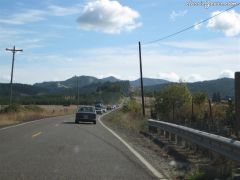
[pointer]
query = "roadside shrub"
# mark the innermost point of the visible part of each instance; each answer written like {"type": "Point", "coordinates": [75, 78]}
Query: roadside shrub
{"type": "Point", "coordinates": [18, 108]}
{"type": "Point", "coordinates": [33, 108]}
{"type": "Point", "coordinates": [134, 106]}
{"type": "Point", "coordinates": [131, 106]}
{"type": "Point", "coordinates": [171, 97]}
{"type": "Point", "coordinates": [196, 175]}
{"type": "Point", "coordinates": [12, 108]}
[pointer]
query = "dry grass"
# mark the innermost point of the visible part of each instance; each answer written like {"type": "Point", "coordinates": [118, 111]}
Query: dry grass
{"type": "Point", "coordinates": [23, 116]}
{"type": "Point", "coordinates": [127, 120]}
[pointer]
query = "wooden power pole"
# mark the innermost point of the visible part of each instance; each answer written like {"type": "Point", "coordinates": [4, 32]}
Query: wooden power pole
{"type": "Point", "coordinates": [141, 78]}
{"type": "Point", "coordinates": [237, 102]}
{"type": "Point", "coordinates": [14, 50]}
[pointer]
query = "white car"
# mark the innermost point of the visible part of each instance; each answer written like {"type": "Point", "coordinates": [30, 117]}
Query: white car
{"type": "Point", "coordinates": [99, 110]}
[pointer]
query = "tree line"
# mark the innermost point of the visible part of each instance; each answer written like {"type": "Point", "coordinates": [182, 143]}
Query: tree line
{"type": "Point", "coordinates": [175, 103]}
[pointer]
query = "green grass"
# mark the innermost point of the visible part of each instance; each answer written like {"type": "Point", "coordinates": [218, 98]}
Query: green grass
{"type": "Point", "coordinates": [129, 117]}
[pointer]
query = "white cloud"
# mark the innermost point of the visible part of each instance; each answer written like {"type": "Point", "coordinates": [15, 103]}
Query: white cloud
{"type": "Point", "coordinates": [226, 74]}
{"type": "Point", "coordinates": [4, 78]}
{"type": "Point", "coordinates": [27, 16]}
{"type": "Point", "coordinates": [64, 11]}
{"type": "Point", "coordinates": [176, 14]}
{"type": "Point", "coordinates": [108, 16]}
{"type": "Point", "coordinates": [220, 45]}
{"type": "Point", "coordinates": [228, 23]}
{"type": "Point", "coordinates": [34, 15]}
{"type": "Point", "coordinates": [171, 76]}
{"type": "Point", "coordinates": [108, 75]}
{"type": "Point", "coordinates": [202, 59]}
{"type": "Point", "coordinates": [194, 78]}
{"type": "Point", "coordinates": [197, 26]}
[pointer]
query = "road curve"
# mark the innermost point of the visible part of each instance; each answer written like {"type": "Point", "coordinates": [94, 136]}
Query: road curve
{"type": "Point", "coordinates": [56, 148]}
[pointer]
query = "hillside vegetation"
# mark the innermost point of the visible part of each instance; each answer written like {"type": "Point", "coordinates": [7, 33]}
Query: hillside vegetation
{"type": "Point", "coordinates": [108, 92]}
{"type": "Point", "coordinates": [17, 114]}
{"type": "Point", "coordinates": [224, 86]}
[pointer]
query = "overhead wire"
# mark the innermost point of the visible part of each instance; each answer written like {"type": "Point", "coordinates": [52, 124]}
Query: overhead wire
{"type": "Point", "coordinates": [188, 28]}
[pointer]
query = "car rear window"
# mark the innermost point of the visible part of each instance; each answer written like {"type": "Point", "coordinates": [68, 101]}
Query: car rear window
{"type": "Point", "coordinates": [86, 109]}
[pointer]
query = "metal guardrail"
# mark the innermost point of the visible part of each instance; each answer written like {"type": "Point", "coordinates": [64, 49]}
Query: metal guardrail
{"type": "Point", "coordinates": [222, 145]}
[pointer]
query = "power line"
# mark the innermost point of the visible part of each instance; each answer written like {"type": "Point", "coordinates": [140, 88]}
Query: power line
{"type": "Point", "coordinates": [190, 27]}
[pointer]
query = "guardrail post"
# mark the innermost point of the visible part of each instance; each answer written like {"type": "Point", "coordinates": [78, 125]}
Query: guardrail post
{"type": "Point", "coordinates": [166, 134]}
{"type": "Point", "coordinates": [237, 101]}
{"type": "Point", "coordinates": [192, 138]}
{"type": "Point", "coordinates": [172, 137]}
{"type": "Point", "coordinates": [161, 132]}
{"type": "Point", "coordinates": [152, 129]}
{"type": "Point", "coordinates": [179, 140]}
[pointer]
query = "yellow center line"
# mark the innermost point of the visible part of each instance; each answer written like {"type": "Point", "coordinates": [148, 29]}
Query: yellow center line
{"type": "Point", "coordinates": [36, 134]}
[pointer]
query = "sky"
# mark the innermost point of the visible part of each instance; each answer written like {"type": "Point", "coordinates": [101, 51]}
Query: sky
{"type": "Point", "coordinates": [64, 38]}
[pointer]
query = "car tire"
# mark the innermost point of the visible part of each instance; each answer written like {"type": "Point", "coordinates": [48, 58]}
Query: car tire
{"type": "Point", "coordinates": [76, 122]}
{"type": "Point", "coordinates": [94, 122]}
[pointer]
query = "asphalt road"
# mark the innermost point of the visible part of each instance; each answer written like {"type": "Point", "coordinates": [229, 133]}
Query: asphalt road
{"type": "Point", "coordinates": [56, 148]}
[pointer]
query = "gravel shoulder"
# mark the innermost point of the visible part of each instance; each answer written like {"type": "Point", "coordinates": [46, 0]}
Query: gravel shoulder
{"type": "Point", "coordinates": [148, 149]}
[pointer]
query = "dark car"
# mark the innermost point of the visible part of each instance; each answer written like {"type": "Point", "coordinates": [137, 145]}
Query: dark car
{"type": "Point", "coordinates": [86, 114]}
{"type": "Point", "coordinates": [109, 107]}
{"type": "Point", "coordinates": [99, 108]}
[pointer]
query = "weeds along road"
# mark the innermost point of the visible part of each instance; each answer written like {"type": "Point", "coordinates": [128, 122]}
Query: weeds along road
{"type": "Point", "coordinates": [56, 148]}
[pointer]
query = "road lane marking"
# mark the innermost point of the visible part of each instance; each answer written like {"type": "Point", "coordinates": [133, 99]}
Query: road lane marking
{"type": "Point", "coordinates": [36, 134]}
{"type": "Point", "coordinates": [140, 157]}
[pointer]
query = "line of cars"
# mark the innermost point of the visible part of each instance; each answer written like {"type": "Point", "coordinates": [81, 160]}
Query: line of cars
{"type": "Point", "coordinates": [89, 113]}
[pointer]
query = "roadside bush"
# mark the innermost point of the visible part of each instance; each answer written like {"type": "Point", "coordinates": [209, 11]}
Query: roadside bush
{"type": "Point", "coordinates": [171, 98]}
{"type": "Point", "coordinates": [131, 106]}
{"type": "Point", "coordinates": [18, 108]}
{"type": "Point", "coordinates": [196, 175]}
{"type": "Point", "coordinates": [33, 108]}
{"type": "Point", "coordinates": [12, 108]}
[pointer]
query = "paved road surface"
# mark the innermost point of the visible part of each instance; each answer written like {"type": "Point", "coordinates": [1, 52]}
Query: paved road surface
{"type": "Point", "coordinates": [56, 148]}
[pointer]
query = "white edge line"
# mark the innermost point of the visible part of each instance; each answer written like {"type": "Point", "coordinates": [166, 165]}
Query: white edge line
{"type": "Point", "coordinates": [140, 157]}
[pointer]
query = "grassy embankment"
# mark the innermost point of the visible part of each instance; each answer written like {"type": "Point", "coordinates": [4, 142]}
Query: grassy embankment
{"type": "Point", "coordinates": [18, 114]}
{"type": "Point", "coordinates": [129, 117]}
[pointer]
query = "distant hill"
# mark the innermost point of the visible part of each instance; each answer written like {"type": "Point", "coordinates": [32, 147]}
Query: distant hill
{"type": "Point", "coordinates": [224, 86]}
{"type": "Point", "coordinates": [148, 82]}
{"type": "Point", "coordinates": [110, 79]}
{"type": "Point", "coordinates": [88, 84]}
{"type": "Point", "coordinates": [107, 92]}
{"type": "Point", "coordinates": [56, 86]}
{"type": "Point", "coordinates": [21, 90]}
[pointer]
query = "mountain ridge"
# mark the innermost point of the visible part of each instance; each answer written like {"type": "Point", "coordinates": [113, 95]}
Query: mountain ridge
{"type": "Point", "coordinates": [69, 86]}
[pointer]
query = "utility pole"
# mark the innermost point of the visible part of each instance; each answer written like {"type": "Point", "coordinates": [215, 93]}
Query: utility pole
{"type": "Point", "coordinates": [237, 103]}
{"type": "Point", "coordinates": [192, 110]}
{"type": "Point", "coordinates": [14, 50]}
{"type": "Point", "coordinates": [140, 59]}
{"type": "Point", "coordinates": [77, 94]}
{"type": "Point", "coordinates": [78, 90]}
